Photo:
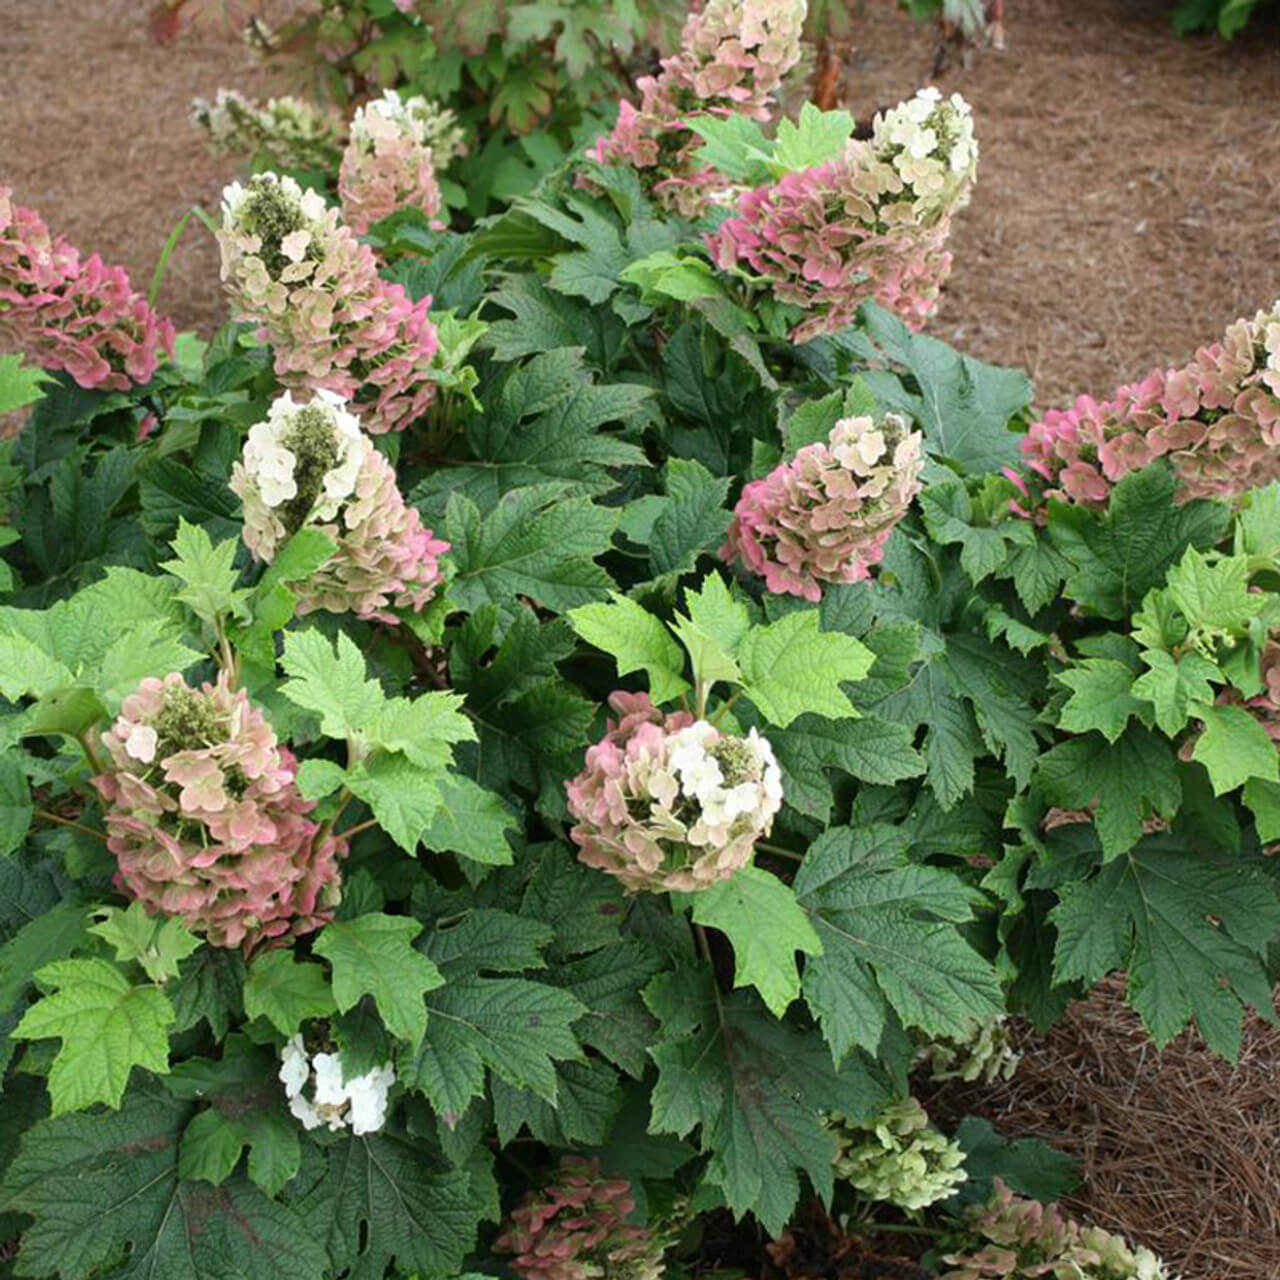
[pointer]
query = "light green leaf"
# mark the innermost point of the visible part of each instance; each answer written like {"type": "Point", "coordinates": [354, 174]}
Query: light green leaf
{"type": "Point", "coordinates": [403, 796]}
{"type": "Point", "coordinates": [818, 136]}
{"type": "Point", "coordinates": [760, 916]}
{"type": "Point", "coordinates": [331, 682]}
{"type": "Point", "coordinates": [16, 808]}
{"type": "Point", "coordinates": [1214, 594]}
{"type": "Point", "coordinates": [637, 640]}
{"type": "Point", "coordinates": [27, 670]}
{"type": "Point", "coordinates": [208, 574]}
{"type": "Point", "coordinates": [20, 384]}
{"type": "Point", "coordinates": [1101, 698]}
{"type": "Point", "coordinates": [1177, 688]}
{"type": "Point", "coordinates": [1263, 798]}
{"type": "Point", "coordinates": [1234, 747]}
{"type": "Point", "coordinates": [790, 667]}
{"type": "Point", "coordinates": [373, 955]}
{"type": "Point", "coordinates": [107, 1027]}
{"type": "Point", "coordinates": [158, 943]}
{"type": "Point", "coordinates": [712, 631]}
{"type": "Point", "coordinates": [471, 821]}
{"type": "Point", "coordinates": [287, 991]}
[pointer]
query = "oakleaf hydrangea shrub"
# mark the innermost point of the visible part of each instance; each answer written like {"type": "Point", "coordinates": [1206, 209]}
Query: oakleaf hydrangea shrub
{"type": "Point", "coordinates": [311, 466]}
{"type": "Point", "coordinates": [205, 820]}
{"type": "Point", "coordinates": [579, 839]}
{"type": "Point", "coordinates": [1012, 1238]}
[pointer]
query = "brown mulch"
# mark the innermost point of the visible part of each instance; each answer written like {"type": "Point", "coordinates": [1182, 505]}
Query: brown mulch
{"type": "Point", "coordinates": [1180, 1151]}
{"type": "Point", "coordinates": [1128, 198]}
{"type": "Point", "coordinates": [94, 133]}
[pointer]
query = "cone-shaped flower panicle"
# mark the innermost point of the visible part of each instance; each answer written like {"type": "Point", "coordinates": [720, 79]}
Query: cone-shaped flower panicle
{"type": "Point", "coordinates": [1011, 1238]}
{"type": "Point", "coordinates": [733, 55]}
{"type": "Point", "coordinates": [871, 225]}
{"type": "Point", "coordinates": [576, 1228]}
{"type": "Point", "coordinates": [318, 1094]}
{"type": "Point", "coordinates": [205, 818]}
{"type": "Point", "coordinates": [987, 1054]}
{"type": "Point", "coordinates": [669, 802]}
{"type": "Point", "coordinates": [292, 268]}
{"type": "Point", "coordinates": [826, 515]}
{"type": "Point", "coordinates": [899, 1158]}
{"type": "Point", "coordinates": [287, 132]}
{"type": "Point", "coordinates": [310, 464]}
{"type": "Point", "coordinates": [1216, 420]}
{"type": "Point", "coordinates": [396, 148]}
{"type": "Point", "coordinates": [80, 317]}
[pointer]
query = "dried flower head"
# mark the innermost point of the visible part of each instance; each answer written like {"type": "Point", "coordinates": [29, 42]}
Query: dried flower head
{"type": "Point", "coordinates": [576, 1228]}
{"type": "Point", "coordinates": [669, 802]}
{"type": "Point", "coordinates": [205, 818]}
{"type": "Point", "coordinates": [313, 290]}
{"type": "Point", "coordinates": [318, 1094]}
{"type": "Point", "coordinates": [311, 465]}
{"type": "Point", "coordinates": [899, 1158]}
{"type": "Point", "coordinates": [83, 318]}
{"type": "Point", "coordinates": [396, 148]}
{"type": "Point", "coordinates": [826, 515]}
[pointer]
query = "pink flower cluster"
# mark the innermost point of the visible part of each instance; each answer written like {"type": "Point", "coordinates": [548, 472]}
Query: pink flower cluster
{"type": "Point", "coordinates": [670, 803]}
{"type": "Point", "coordinates": [1216, 419]}
{"type": "Point", "coordinates": [81, 317]}
{"type": "Point", "coordinates": [576, 1229]}
{"type": "Point", "coordinates": [826, 515]}
{"type": "Point", "coordinates": [311, 465]}
{"type": "Point", "coordinates": [873, 224]}
{"type": "Point", "coordinates": [734, 54]}
{"type": "Point", "coordinates": [292, 268]}
{"type": "Point", "coordinates": [205, 818]}
{"type": "Point", "coordinates": [1012, 1238]}
{"type": "Point", "coordinates": [1266, 706]}
{"type": "Point", "coordinates": [396, 148]}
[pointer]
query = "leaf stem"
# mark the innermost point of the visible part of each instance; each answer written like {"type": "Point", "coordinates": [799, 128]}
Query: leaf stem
{"type": "Point", "coordinates": [704, 945]}
{"type": "Point", "coordinates": [357, 829]}
{"type": "Point", "coordinates": [724, 707]}
{"type": "Point", "coordinates": [779, 851]}
{"type": "Point", "coordinates": [45, 816]}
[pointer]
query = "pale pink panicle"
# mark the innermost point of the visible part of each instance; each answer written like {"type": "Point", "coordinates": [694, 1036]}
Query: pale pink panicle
{"type": "Point", "coordinates": [396, 148]}
{"type": "Point", "coordinates": [81, 317]}
{"type": "Point", "coordinates": [1266, 706]}
{"type": "Point", "coordinates": [287, 132]}
{"type": "Point", "coordinates": [1011, 1237]}
{"type": "Point", "coordinates": [311, 465]}
{"type": "Point", "coordinates": [870, 225]}
{"type": "Point", "coordinates": [204, 817]}
{"type": "Point", "coordinates": [733, 55]}
{"type": "Point", "coordinates": [825, 516]}
{"type": "Point", "coordinates": [1216, 419]}
{"type": "Point", "coordinates": [670, 803]}
{"type": "Point", "coordinates": [291, 267]}
{"type": "Point", "coordinates": [576, 1228]}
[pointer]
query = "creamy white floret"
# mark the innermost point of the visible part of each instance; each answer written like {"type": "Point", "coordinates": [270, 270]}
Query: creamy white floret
{"type": "Point", "coordinates": [359, 1103]}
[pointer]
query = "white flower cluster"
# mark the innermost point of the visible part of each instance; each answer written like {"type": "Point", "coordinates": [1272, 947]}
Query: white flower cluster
{"type": "Point", "coordinates": [321, 437]}
{"type": "Point", "coordinates": [987, 1054]}
{"type": "Point", "coordinates": [417, 118]}
{"type": "Point", "coordinates": [931, 145]}
{"type": "Point", "coordinates": [1268, 324]}
{"type": "Point", "coordinates": [287, 131]}
{"type": "Point", "coordinates": [699, 760]}
{"type": "Point", "coordinates": [359, 1104]}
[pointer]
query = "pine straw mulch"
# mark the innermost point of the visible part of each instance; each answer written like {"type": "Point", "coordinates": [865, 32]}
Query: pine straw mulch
{"type": "Point", "coordinates": [1128, 198]}
{"type": "Point", "coordinates": [1179, 1150]}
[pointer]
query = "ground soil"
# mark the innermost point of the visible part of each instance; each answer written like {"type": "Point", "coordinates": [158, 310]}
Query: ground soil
{"type": "Point", "coordinates": [1128, 208]}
